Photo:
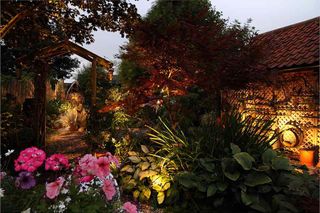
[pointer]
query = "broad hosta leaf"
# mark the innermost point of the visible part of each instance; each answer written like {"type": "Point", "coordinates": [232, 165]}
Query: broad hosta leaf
{"type": "Point", "coordinates": [280, 163]}
{"type": "Point", "coordinates": [244, 159]}
{"type": "Point", "coordinates": [212, 189]}
{"type": "Point", "coordinates": [229, 169]}
{"type": "Point", "coordinates": [145, 149]}
{"type": "Point", "coordinates": [247, 199]}
{"type": "Point", "coordinates": [187, 180]}
{"type": "Point", "coordinates": [255, 179]}
{"type": "Point", "coordinates": [147, 173]}
{"type": "Point", "coordinates": [208, 164]}
{"type": "Point", "coordinates": [134, 159]}
{"type": "Point", "coordinates": [201, 186]}
{"type": "Point", "coordinates": [268, 156]}
{"type": "Point", "coordinates": [160, 197]}
{"type": "Point", "coordinates": [222, 186]}
{"type": "Point", "coordinates": [235, 148]}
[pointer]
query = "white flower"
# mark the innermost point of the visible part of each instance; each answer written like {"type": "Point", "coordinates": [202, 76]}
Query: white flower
{"type": "Point", "coordinates": [9, 152]}
{"type": "Point", "coordinates": [64, 191]}
{"type": "Point", "coordinates": [1, 192]}
{"type": "Point", "coordinates": [68, 199]}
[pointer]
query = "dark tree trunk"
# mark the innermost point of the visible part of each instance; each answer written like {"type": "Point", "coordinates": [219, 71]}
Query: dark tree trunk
{"type": "Point", "coordinates": [40, 102]}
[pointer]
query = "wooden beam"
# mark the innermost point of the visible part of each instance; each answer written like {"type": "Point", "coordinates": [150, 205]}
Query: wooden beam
{"type": "Point", "coordinates": [94, 83]}
{"type": "Point", "coordinates": [4, 30]}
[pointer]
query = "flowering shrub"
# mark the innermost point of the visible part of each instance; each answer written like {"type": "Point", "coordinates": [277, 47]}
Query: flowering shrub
{"type": "Point", "coordinates": [54, 185]}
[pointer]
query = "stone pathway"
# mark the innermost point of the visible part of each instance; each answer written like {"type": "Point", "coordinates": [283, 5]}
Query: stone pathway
{"type": "Point", "coordinates": [69, 143]}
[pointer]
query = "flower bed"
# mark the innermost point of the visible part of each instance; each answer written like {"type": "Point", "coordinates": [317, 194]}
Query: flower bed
{"type": "Point", "coordinates": [53, 184]}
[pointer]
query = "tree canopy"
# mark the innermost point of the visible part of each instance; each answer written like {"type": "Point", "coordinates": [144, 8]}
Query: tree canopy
{"type": "Point", "coordinates": [48, 22]}
{"type": "Point", "coordinates": [181, 44]}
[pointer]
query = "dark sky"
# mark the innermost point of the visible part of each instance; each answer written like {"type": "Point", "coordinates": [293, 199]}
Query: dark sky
{"type": "Point", "coordinates": [266, 15]}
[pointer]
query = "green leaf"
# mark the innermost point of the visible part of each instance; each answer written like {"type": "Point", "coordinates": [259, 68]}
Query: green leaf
{"type": "Point", "coordinates": [247, 199]}
{"type": "Point", "coordinates": [244, 159]}
{"type": "Point", "coordinates": [280, 163]}
{"type": "Point", "coordinates": [268, 156]}
{"type": "Point", "coordinates": [160, 197]}
{"type": "Point", "coordinates": [145, 149]}
{"type": "Point", "coordinates": [187, 180]}
{"type": "Point", "coordinates": [235, 148]}
{"type": "Point", "coordinates": [222, 186]}
{"type": "Point", "coordinates": [208, 164]}
{"type": "Point", "coordinates": [255, 179]}
{"type": "Point", "coordinates": [229, 169]}
{"type": "Point", "coordinates": [287, 205]}
{"type": "Point", "coordinates": [212, 189]}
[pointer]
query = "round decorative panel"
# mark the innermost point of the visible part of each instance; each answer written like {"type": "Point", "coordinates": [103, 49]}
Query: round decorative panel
{"type": "Point", "coordinates": [291, 136]}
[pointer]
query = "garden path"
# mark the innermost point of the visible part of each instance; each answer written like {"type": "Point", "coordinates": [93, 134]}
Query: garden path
{"type": "Point", "coordinates": [69, 143]}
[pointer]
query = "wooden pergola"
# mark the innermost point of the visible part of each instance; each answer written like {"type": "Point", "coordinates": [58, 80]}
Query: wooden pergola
{"type": "Point", "coordinates": [40, 62]}
{"type": "Point", "coordinates": [68, 47]}
{"type": "Point", "coordinates": [41, 58]}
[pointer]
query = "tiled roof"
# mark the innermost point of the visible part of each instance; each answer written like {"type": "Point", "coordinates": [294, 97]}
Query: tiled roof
{"type": "Point", "coordinates": [292, 46]}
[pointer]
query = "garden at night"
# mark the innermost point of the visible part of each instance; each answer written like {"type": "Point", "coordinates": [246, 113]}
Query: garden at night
{"type": "Point", "coordinates": [196, 112]}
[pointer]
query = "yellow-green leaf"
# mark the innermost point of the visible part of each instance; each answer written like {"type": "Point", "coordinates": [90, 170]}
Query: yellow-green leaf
{"type": "Point", "coordinates": [132, 153]}
{"type": "Point", "coordinates": [151, 159]}
{"type": "Point", "coordinates": [145, 149]}
{"type": "Point", "coordinates": [160, 197]}
{"type": "Point", "coordinates": [136, 194]}
{"type": "Point", "coordinates": [144, 165]}
{"type": "Point", "coordinates": [146, 192]}
{"type": "Point", "coordinates": [127, 168]}
{"type": "Point", "coordinates": [166, 186]}
{"type": "Point", "coordinates": [147, 173]}
{"type": "Point", "coordinates": [135, 159]}
{"type": "Point", "coordinates": [136, 173]}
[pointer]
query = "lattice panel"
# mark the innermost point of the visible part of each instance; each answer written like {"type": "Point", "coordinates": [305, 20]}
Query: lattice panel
{"type": "Point", "coordinates": [291, 100]}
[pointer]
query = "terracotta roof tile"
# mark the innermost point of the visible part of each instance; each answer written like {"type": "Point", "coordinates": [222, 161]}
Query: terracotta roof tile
{"type": "Point", "coordinates": [292, 46]}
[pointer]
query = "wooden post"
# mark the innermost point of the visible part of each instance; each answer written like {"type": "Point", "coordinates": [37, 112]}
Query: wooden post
{"type": "Point", "coordinates": [94, 83]}
{"type": "Point", "coordinates": [40, 103]}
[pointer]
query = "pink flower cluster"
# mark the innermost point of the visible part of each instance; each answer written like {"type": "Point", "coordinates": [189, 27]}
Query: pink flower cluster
{"type": "Point", "coordinates": [57, 162]}
{"type": "Point", "coordinates": [30, 159]}
{"type": "Point", "coordinates": [90, 166]}
{"type": "Point", "coordinates": [129, 207]}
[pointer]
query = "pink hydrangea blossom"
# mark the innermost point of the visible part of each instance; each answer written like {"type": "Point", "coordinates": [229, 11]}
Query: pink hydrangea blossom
{"type": "Point", "coordinates": [56, 162]}
{"type": "Point", "coordinates": [102, 167]}
{"type": "Point", "coordinates": [30, 159]}
{"type": "Point", "coordinates": [53, 188]}
{"type": "Point", "coordinates": [129, 207]}
{"type": "Point", "coordinates": [108, 189]}
{"type": "Point", "coordinates": [87, 165]}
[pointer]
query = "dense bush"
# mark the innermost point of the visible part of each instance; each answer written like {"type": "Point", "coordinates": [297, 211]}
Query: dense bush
{"type": "Point", "coordinates": [226, 165]}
